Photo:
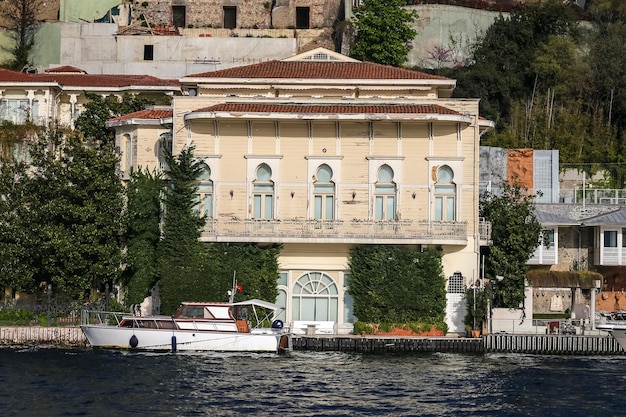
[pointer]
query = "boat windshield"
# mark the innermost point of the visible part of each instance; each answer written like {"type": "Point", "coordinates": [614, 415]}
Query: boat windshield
{"type": "Point", "coordinates": [193, 312]}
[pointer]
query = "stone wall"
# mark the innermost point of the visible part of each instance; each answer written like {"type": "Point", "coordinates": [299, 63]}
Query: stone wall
{"type": "Point", "coordinates": [252, 14]}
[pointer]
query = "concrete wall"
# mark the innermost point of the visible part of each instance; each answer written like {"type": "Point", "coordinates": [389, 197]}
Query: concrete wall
{"type": "Point", "coordinates": [450, 28]}
{"type": "Point", "coordinates": [95, 49]}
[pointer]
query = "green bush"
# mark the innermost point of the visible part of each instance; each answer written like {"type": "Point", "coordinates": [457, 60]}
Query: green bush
{"type": "Point", "coordinates": [397, 284]}
{"type": "Point", "coordinates": [16, 316]}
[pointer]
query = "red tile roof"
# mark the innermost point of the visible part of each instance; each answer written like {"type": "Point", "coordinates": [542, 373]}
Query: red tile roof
{"type": "Point", "coordinates": [76, 79]}
{"type": "Point", "coordinates": [330, 108]}
{"type": "Point", "coordinates": [8, 76]}
{"type": "Point", "coordinates": [145, 114]}
{"type": "Point", "coordinates": [104, 80]}
{"type": "Point", "coordinates": [323, 70]}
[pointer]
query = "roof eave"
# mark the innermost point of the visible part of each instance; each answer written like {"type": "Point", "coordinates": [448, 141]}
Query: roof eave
{"type": "Point", "coordinates": [329, 116]}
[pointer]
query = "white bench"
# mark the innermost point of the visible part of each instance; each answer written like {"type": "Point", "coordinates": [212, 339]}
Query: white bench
{"type": "Point", "coordinates": [311, 328]}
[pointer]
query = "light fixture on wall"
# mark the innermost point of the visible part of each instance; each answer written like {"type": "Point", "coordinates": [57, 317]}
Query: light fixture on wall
{"type": "Point", "coordinates": [353, 194]}
{"type": "Point", "coordinates": [231, 193]}
{"type": "Point", "coordinates": [293, 193]}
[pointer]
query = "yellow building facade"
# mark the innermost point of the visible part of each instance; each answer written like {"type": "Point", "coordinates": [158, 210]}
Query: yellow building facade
{"type": "Point", "coordinates": [320, 153]}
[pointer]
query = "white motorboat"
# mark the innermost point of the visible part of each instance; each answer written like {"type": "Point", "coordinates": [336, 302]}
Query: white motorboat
{"type": "Point", "coordinates": [196, 326]}
{"type": "Point", "coordinates": [615, 324]}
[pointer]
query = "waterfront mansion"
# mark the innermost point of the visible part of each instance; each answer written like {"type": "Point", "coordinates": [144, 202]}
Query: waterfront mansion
{"type": "Point", "coordinates": [320, 152]}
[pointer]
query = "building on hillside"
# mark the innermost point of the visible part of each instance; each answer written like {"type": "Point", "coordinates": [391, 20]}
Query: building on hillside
{"type": "Point", "coordinates": [319, 153]}
{"type": "Point", "coordinates": [59, 95]}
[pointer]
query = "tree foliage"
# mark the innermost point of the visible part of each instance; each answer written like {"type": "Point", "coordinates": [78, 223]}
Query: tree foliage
{"type": "Point", "coordinates": [515, 234]}
{"type": "Point", "coordinates": [98, 110]}
{"type": "Point", "coordinates": [383, 33]}
{"type": "Point", "coordinates": [143, 217]}
{"type": "Point", "coordinates": [551, 81]}
{"type": "Point", "coordinates": [501, 72]}
{"type": "Point", "coordinates": [65, 216]}
{"type": "Point", "coordinates": [182, 258]}
{"type": "Point", "coordinates": [20, 18]}
{"type": "Point", "coordinates": [397, 284]}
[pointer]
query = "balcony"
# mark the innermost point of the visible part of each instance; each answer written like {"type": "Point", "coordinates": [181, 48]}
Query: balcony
{"type": "Point", "coordinates": [335, 231]}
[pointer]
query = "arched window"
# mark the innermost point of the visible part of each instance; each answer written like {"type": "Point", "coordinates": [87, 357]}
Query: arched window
{"type": "Point", "coordinates": [324, 194]}
{"type": "Point", "coordinates": [164, 146]}
{"type": "Point", "coordinates": [445, 195]}
{"type": "Point", "coordinates": [315, 297]}
{"type": "Point", "coordinates": [204, 203]}
{"type": "Point", "coordinates": [128, 153]}
{"type": "Point", "coordinates": [263, 193]}
{"type": "Point", "coordinates": [385, 195]}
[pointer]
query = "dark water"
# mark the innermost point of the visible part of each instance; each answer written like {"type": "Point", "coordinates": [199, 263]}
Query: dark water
{"type": "Point", "coordinates": [57, 382]}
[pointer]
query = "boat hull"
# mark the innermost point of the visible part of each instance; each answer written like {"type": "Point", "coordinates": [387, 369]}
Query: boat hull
{"type": "Point", "coordinates": [103, 336]}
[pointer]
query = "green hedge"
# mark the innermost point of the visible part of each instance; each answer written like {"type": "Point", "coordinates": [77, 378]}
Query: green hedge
{"type": "Point", "coordinates": [397, 284]}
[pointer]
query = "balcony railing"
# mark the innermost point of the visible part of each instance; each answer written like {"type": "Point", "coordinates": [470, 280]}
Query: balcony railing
{"type": "Point", "coordinates": [294, 230]}
{"type": "Point", "coordinates": [602, 196]}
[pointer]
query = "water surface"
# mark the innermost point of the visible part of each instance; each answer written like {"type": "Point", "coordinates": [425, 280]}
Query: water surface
{"type": "Point", "coordinates": [60, 382]}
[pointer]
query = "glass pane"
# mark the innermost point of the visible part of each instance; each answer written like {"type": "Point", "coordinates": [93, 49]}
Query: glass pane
{"type": "Point", "coordinates": [623, 238]}
{"type": "Point", "coordinates": [321, 309]}
{"type": "Point", "coordinates": [391, 207]}
{"type": "Point", "coordinates": [330, 208]}
{"type": "Point", "coordinates": [610, 239]}
{"type": "Point", "coordinates": [348, 308]}
{"type": "Point", "coordinates": [205, 187]}
{"type": "Point", "coordinates": [205, 174]}
{"type": "Point", "coordinates": [282, 279]}
{"type": "Point", "coordinates": [385, 174]}
{"type": "Point", "coordinates": [317, 207]}
{"type": "Point", "coordinates": [324, 173]}
{"type": "Point", "coordinates": [385, 189]}
{"type": "Point", "coordinates": [208, 205]}
{"type": "Point", "coordinates": [267, 188]}
{"type": "Point", "coordinates": [324, 188]}
{"type": "Point", "coordinates": [444, 189]}
{"type": "Point", "coordinates": [438, 208]}
{"type": "Point", "coordinates": [295, 306]}
{"type": "Point", "coordinates": [257, 207]}
{"type": "Point", "coordinates": [35, 111]}
{"type": "Point", "coordinates": [307, 312]}
{"type": "Point", "coordinates": [450, 209]}
{"type": "Point", "coordinates": [333, 309]}
{"type": "Point", "coordinates": [346, 280]}
{"type": "Point", "coordinates": [263, 173]}
{"type": "Point", "coordinates": [269, 201]}
{"type": "Point", "coordinates": [444, 175]}
{"type": "Point", "coordinates": [281, 301]}
{"type": "Point", "coordinates": [379, 208]}
{"type": "Point", "coordinates": [196, 203]}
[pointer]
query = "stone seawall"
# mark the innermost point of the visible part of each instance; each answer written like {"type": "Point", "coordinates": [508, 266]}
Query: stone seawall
{"type": "Point", "coordinates": [29, 335]}
{"type": "Point", "coordinates": [534, 344]}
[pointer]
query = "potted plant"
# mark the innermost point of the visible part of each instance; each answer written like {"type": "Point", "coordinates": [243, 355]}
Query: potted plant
{"type": "Point", "coordinates": [476, 299]}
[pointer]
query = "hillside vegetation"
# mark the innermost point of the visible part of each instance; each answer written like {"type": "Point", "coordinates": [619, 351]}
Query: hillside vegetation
{"type": "Point", "coordinates": [550, 80]}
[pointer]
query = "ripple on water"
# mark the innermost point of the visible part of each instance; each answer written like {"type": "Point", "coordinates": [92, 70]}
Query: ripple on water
{"type": "Point", "coordinates": [106, 383]}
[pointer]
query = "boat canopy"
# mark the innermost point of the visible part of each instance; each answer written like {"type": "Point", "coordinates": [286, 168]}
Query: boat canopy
{"type": "Point", "coordinates": [259, 303]}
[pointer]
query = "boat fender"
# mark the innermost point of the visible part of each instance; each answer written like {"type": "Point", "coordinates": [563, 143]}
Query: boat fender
{"type": "Point", "coordinates": [173, 343]}
{"type": "Point", "coordinates": [133, 342]}
{"type": "Point", "coordinates": [277, 324]}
